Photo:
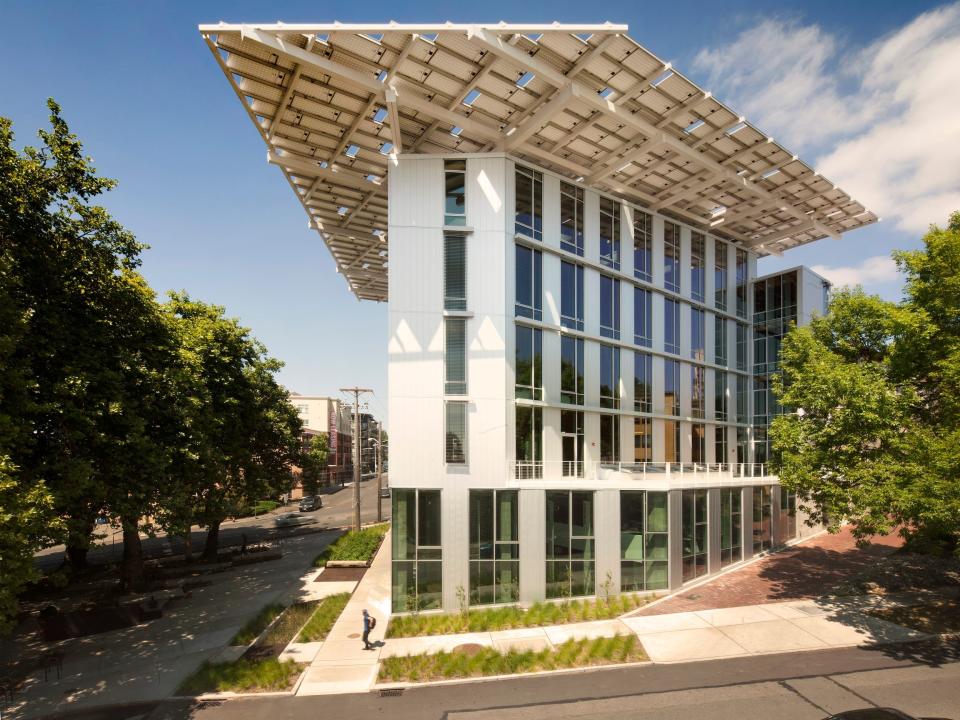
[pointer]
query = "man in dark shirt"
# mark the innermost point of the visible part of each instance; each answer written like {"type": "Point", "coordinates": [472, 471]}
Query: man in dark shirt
{"type": "Point", "coordinates": [366, 631]}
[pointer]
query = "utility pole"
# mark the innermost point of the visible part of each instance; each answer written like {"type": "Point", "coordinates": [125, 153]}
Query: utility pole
{"type": "Point", "coordinates": [356, 451]}
{"type": "Point", "coordinates": [379, 471]}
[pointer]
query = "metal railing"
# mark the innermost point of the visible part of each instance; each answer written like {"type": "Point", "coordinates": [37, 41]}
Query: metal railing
{"type": "Point", "coordinates": [559, 469]}
{"type": "Point", "coordinates": [536, 469]}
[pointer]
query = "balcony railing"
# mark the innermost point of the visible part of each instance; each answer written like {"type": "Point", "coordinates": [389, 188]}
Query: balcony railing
{"type": "Point", "coordinates": [663, 470]}
{"type": "Point", "coordinates": [536, 469]}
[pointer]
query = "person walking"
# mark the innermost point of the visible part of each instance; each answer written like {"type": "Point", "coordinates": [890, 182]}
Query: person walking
{"type": "Point", "coordinates": [368, 624]}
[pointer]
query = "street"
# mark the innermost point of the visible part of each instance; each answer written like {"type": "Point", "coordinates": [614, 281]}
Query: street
{"type": "Point", "coordinates": [337, 511]}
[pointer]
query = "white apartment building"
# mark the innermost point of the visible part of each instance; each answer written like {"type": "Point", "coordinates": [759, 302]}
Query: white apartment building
{"type": "Point", "coordinates": [579, 345]}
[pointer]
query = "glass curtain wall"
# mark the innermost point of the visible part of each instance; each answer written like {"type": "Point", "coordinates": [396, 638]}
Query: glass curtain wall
{"type": "Point", "coordinates": [762, 519]}
{"type": "Point", "coordinates": [416, 550]}
{"type": "Point", "coordinates": [529, 205]}
{"type": "Point", "coordinates": [694, 544]}
{"type": "Point", "coordinates": [643, 541]}
{"type": "Point", "coordinates": [731, 529]}
{"type": "Point", "coordinates": [494, 547]}
{"type": "Point", "coordinates": [570, 553]}
{"type": "Point", "coordinates": [529, 442]}
{"type": "Point", "coordinates": [571, 218]}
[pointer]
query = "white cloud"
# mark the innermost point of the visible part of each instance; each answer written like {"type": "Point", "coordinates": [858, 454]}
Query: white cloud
{"type": "Point", "coordinates": [890, 111]}
{"type": "Point", "coordinates": [872, 271]}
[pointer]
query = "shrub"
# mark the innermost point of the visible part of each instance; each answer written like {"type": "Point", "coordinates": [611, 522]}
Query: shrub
{"type": "Point", "coordinates": [242, 675]}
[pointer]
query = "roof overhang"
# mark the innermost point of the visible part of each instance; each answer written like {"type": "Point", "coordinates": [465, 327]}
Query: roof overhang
{"type": "Point", "coordinates": [337, 103]}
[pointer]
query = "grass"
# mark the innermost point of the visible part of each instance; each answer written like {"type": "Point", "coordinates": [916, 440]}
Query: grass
{"type": "Point", "coordinates": [242, 675]}
{"type": "Point", "coordinates": [487, 661]}
{"type": "Point", "coordinates": [287, 625]}
{"type": "Point", "coordinates": [507, 618]}
{"type": "Point", "coordinates": [323, 618]}
{"type": "Point", "coordinates": [936, 618]}
{"type": "Point", "coordinates": [354, 545]}
{"type": "Point", "coordinates": [258, 508]}
{"type": "Point", "coordinates": [256, 625]}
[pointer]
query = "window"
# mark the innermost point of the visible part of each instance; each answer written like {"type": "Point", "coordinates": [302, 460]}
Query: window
{"type": "Point", "coordinates": [455, 199]}
{"type": "Point", "coordinates": [303, 409]}
{"type": "Point", "coordinates": [741, 346]}
{"type": "Point", "coordinates": [643, 541]}
{"type": "Point", "coordinates": [529, 442]}
{"type": "Point", "coordinates": [671, 387]}
{"type": "Point", "coordinates": [570, 554]}
{"type": "Point", "coordinates": [609, 376]}
{"type": "Point", "coordinates": [741, 283]}
{"type": "Point", "coordinates": [529, 366]}
{"type": "Point", "coordinates": [455, 355]}
{"type": "Point", "coordinates": [642, 246]}
{"type": "Point", "coordinates": [720, 444]}
{"type": "Point", "coordinates": [529, 215]}
{"type": "Point", "coordinates": [571, 218]}
{"type": "Point", "coordinates": [609, 307]}
{"type": "Point", "coordinates": [642, 316]}
{"type": "Point", "coordinates": [788, 514]}
{"type": "Point", "coordinates": [494, 547]}
{"type": "Point", "coordinates": [697, 333]}
{"type": "Point", "coordinates": [571, 296]}
{"type": "Point", "coordinates": [743, 445]}
{"type": "Point", "coordinates": [642, 440]}
{"type": "Point", "coordinates": [610, 438]}
{"type": "Point", "coordinates": [698, 439]}
{"type": "Point", "coordinates": [671, 326]}
{"type": "Point", "coordinates": [731, 533]}
{"type": "Point", "coordinates": [642, 382]}
{"type": "Point", "coordinates": [671, 441]}
{"type": "Point", "coordinates": [454, 272]}
{"type": "Point", "coordinates": [416, 550]}
{"type": "Point", "coordinates": [456, 433]}
{"type": "Point", "coordinates": [697, 271]}
{"type": "Point", "coordinates": [610, 233]}
{"type": "Point", "coordinates": [760, 395]}
{"type": "Point", "coordinates": [741, 401]}
{"type": "Point", "coordinates": [671, 256]}
{"type": "Point", "coordinates": [571, 370]}
{"type": "Point", "coordinates": [571, 437]}
{"type": "Point", "coordinates": [529, 283]}
{"type": "Point", "coordinates": [698, 391]}
{"type": "Point", "coordinates": [762, 515]}
{"type": "Point", "coordinates": [720, 395]}
{"type": "Point", "coordinates": [719, 340]}
{"type": "Point", "coordinates": [694, 543]}
{"type": "Point", "coordinates": [720, 275]}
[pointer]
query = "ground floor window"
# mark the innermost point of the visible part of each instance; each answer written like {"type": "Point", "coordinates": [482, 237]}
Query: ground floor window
{"type": "Point", "coordinates": [571, 559]}
{"type": "Point", "coordinates": [731, 528]}
{"type": "Point", "coordinates": [494, 547]}
{"type": "Point", "coordinates": [788, 514]}
{"type": "Point", "coordinates": [643, 541]}
{"type": "Point", "coordinates": [694, 521]}
{"type": "Point", "coordinates": [416, 552]}
{"type": "Point", "coordinates": [762, 519]}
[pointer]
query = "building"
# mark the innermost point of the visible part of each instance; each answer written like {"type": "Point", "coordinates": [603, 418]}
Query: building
{"type": "Point", "coordinates": [575, 368]}
{"type": "Point", "coordinates": [330, 417]}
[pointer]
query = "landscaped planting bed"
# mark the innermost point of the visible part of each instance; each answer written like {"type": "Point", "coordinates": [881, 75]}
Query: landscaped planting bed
{"type": "Point", "coordinates": [257, 624]}
{"type": "Point", "coordinates": [323, 618]}
{"type": "Point", "coordinates": [243, 675]}
{"type": "Point", "coordinates": [359, 546]}
{"type": "Point", "coordinates": [507, 618]}
{"type": "Point", "coordinates": [484, 661]}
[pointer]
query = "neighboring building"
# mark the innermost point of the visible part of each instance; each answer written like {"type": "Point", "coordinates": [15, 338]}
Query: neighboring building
{"type": "Point", "coordinates": [330, 417]}
{"type": "Point", "coordinates": [574, 330]}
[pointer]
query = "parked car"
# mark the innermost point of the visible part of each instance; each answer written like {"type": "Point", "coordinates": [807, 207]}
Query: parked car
{"type": "Point", "coordinates": [293, 519]}
{"type": "Point", "coordinates": [310, 503]}
{"type": "Point", "coordinates": [385, 492]}
{"type": "Point", "coordinates": [876, 714]}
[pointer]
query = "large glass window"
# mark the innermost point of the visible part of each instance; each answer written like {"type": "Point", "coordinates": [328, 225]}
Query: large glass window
{"type": "Point", "coordinates": [698, 443]}
{"type": "Point", "coordinates": [741, 271]}
{"type": "Point", "coordinates": [731, 533]}
{"type": "Point", "coordinates": [720, 275]}
{"type": "Point", "coordinates": [570, 544]}
{"type": "Point", "coordinates": [720, 394]}
{"type": "Point", "coordinates": [609, 307]}
{"type": "Point", "coordinates": [671, 441]}
{"type": "Point", "coordinates": [642, 440]}
{"type": "Point", "coordinates": [788, 514]}
{"type": "Point", "coordinates": [762, 516]}
{"type": "Point", "coordinates": [698, 391]}
{"type": "Point", "coordinates": [455, 196]}
{"type": "Point", "coordinates": [720, 340]}
{"type": "Point", "coordinates": [642, 316]}
{"type": "Point", "coordinates": [529, 216]}
{"type": "Point", "coordinates": [455, 443]}
{"type": "Point", "coordinates": [529, 366]}
{"type": "Point", "coordinates": [571, 437]}
{"type": "Point", "coordinates": [720, 444]}
{"type": "Point", "coordinates": [609, 438]}
{"type": "Point", "coordinates": [697, 266]}
{"type": "Point", "coordinates": [610, 233]}
{"type": "Point", "coordinates": [671, 326]}
{"type": "Point", "coordinates": [529, 283]}
{"type": "Point", "coordinates": [529, 442]}
{"type": "Point", "coordinates": [694, 545]}
{"type": "Point", "coordinates": [609, 376]}
{"type": "Point", "coordinates": [697, 334]}
{"type": "Point", "coordinates": [455, 355]}
{"type": "Point", "coordinates": [642, 382]}
{"type": "Point", "coordinates": [742, 400]}
{"type": "Point", "coordinates": [642, 245]}
{"type": "Point", "coordinates": [416, 549]}
{"type": "Point", "coordinates": [454, 272]}
{"type": "Point", "coordinates": [741, 346]}
{"type": "Point", "coordinates": [571, 218]}
{"type": "Point", "coordinates": [571, 296]}
{"type": "Point", "coordinates": [671, 387]}
{"type": "Point", "coordinates": [643, 541]}
{"type": "Point", "coordinates": [671, 256]}
{"type": "Point", "coordinates": [571, 370]}
{"type": "Point", "coordinates": [494, 547]}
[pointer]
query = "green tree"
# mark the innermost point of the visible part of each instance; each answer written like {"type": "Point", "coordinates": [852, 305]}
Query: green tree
{"type": "Point", "coordinates": [876, 387]}
{"type": "Point", "coordinates": [314, 464]}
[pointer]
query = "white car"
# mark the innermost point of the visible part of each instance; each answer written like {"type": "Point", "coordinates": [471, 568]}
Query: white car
{"type": "Point", "coordinates": [292, 519]}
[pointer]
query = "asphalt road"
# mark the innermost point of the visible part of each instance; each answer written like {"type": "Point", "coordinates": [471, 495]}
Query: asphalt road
{"type": "Point", "coordinates": [337, 511]}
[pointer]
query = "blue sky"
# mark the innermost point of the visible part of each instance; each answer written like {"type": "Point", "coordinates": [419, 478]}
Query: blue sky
{"type": "Point", "coordinates": [848, 86]}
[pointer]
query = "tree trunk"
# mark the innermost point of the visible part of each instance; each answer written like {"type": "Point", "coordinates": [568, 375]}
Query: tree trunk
{"type": "Point", "coordinates": [212, 545]}
{"type": "Point", "coordinates": [188, 547]}
{"type": "Point", "coordinates": [77, 556]}
{"type": "Point", "coordinates": [132, 575]}
{"type": "Point", "coordinates": [80, 532]}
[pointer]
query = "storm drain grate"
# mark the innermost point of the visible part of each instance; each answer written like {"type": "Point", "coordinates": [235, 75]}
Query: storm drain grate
{"type": "Point", "coordinates": [391, 692]}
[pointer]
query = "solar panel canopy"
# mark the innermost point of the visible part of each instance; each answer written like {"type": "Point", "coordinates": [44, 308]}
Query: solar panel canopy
{"type": "Point", "coordinates": [337, 103]}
